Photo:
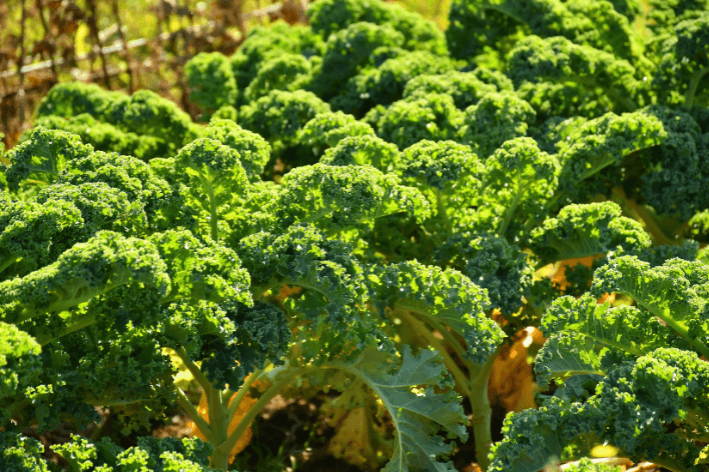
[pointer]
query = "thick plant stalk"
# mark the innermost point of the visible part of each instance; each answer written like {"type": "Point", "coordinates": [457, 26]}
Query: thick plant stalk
{"type": "Point", "coordinates": [482, 412]}
{"type": "Point", "coordinates": [474, 385]}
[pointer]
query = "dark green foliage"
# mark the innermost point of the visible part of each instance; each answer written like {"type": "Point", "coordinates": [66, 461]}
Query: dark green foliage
{"type": "Point", "coordinates": [264, 43]}
{"type": "Point", "coordinates": [519, 181]}
{"type": "Point", "coordinates": [442, 165]}
{"type": "Point", "coordinates": [105, 136]}
{"type": "Point", "coordinates": [147, 113]}
{"type": "Point", "coordinates": [160, 455]}
{"type": "Point", "coordinates": [344, 195]}
{"type": "Point", "coordinates": [20, 454]}
{"type": "Point", "coordinates": [398, 287]}
{"type": "Point", "coordinates": [74, 98]}
{"type": "Point", "coordinates": [493, 264]}
{"type": "Point", "coordinates": [559, 60]}
{"type": "Point", "coordinates": [131, 175]}
{"type": "Point", "coordinates": [317, 263]}
{"type": "Point", "coordinates": [348, 51]}
{"type": "Point", "coordinates": [479, 26]}
{"type": "Point", "coordinates": [42, 156]}
{"type": "Point", "coordinates": [588, 230]}
{"type": "Point", "coordinates": [593, 154]}
{"type": "Point", "coordinates": [684, 63]}
{"type": "Point", "coordinates": [330, 16]}
{"type": "Point", "coordinates": [386, 83]}
{"type": "Point", "coordinates": [674, 183]}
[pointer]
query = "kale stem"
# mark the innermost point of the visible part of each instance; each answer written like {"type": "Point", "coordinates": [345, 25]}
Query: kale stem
{"type": "Point", "coordinates": [219, 424]}
{"type": "Point", "coordinates": [242, 393]}
{"type": "Point", "coordinates": [482, 412]}
{"type": "Point", "coordinates": [461, 379]}
{"type": "Point", "coordinates": [194, 415]}
{"type": "Point", "coordinates": [7, 263]}
{"type": "Point", "coordinates": [442, 213]}
{"type": "Point", "coordinates": [693, 84]}
{"type": "Point", "coordinates": [510, 211]}
{"type": "Point", "coordinates": [268, 395]}
{"type": "Point", "coordinates": [213, 213]}
{"type": "Point", "coordinates": [627, 103]}
{"type": "Point", "coordinates": [194, 370]}
{"type": "Point", "coordinates": [81, 323]}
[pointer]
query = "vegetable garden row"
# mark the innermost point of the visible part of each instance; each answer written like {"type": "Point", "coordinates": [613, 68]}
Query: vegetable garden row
{"type": "Point", "coordinates": [373, 207]}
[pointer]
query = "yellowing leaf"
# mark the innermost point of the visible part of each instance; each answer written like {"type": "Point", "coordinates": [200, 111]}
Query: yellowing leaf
{"type": "Point", "coordinates": [352, 442]}
{"type": "Point", "coordinates": [511, 382]}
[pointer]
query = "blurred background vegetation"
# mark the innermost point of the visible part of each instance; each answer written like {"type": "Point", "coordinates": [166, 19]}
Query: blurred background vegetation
{"type": "Point", "coordinates": [128, 44]}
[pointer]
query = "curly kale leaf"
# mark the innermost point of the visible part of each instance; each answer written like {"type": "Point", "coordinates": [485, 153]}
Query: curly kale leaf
{"type": "Point", "coordinates": [148, 113]}
{"type": "Point", "coordinates": [446, 166]}
{"type": "Point", "coordinates": [254, 151]}
{"type": "Point", "coordinates": [33, 235]}
{"type": "Point", "coordinates": [364, 150]}
{"type": "Point", "coordinates": [201, 270]}
{"type": "Point", "coordinates": [69, 99]}
{"type": "Point", "coordinates": [684, 61]}
{"type": "Point", "coordinates": [588, 230]}
{"type": "Point", "coordinates": [465, 87]}
{"type": "Point", "coordinates": [417, 416]}
{"type": "Point", "coordinates": [557, 59]}
{"type": "Point", "coordinates": [496, 118]}
{"type": "Point", "coordinates": [21, 454]}
{"type": "Point", "coordinates": [326, 130]}
{"type": "Point", "coordinates": [631, 409]}
{"type": "Point", "coordinates": [283, 72]}
{"type": "Point", "coordinates": [101, 206]}
{"type": "Point", "coordinates": [280, 116]}
{"type": "Point", "coordinates": [342, 196]}
{"type": "Point", "coordinates": [229, 340]}
{"type": "Point", "coordinates": [581, 332]}
{"type": "Point", "coordinates": [43, 156]}
{"type": "Point", "coordinates": [125, 173]}
{"type": "Point", "coordinates": [150, 454]}
{"type": "Point", "coordinates": [305, 257]}
{"type": "Point", "coordinates": [475, 26]}
{"type": "Point", "coordinates": [106, 136]}
{"type": "Point", "coordinates": [676, 171]}
{"type": "Point", "coordinates": [519, 181]}
{"type": "Point", "coordinates": [20, 365]}
{"type": "Point", "coordinates": [433, 117]}
{"type": "Point", "coordinates": [675, 292]}
{"type": "Point", "coordinates": [331, 16]}
{"type": "Point", "coordinates": [348, 51]}
{"type": "Point", "coordinates": [213, 177]}
{"type": "Point", "coordinates": [105, 262]}
{"type": "Point", "coordinates": [599, 144]}
{"type": "Point", "coordinates": [211, 80]}
{"type": "Point", "coordinates": [439, 298]}
{"type": "Point", "coordinates": [385, 84]}
{"type": "Point", "coordinates": [491, 263]}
